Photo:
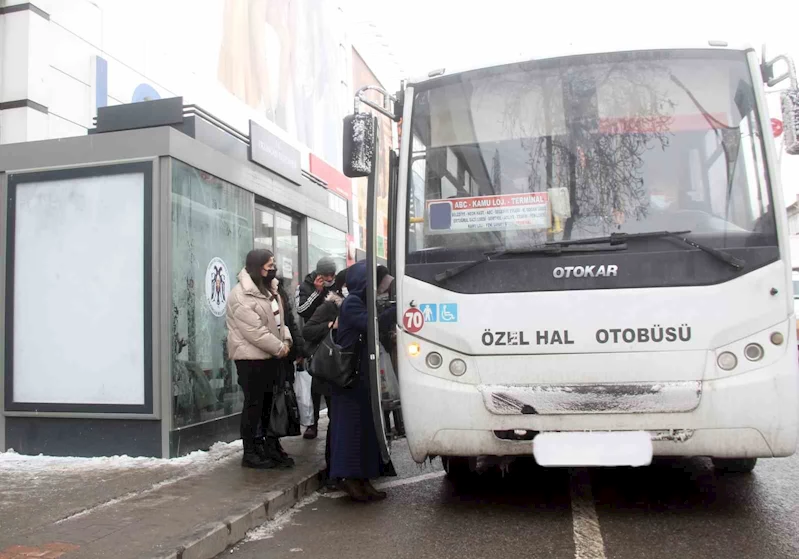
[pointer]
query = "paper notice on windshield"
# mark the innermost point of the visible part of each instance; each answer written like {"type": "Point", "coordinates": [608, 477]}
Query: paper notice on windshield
{"type": "Point", "coordinates": [489, 213]}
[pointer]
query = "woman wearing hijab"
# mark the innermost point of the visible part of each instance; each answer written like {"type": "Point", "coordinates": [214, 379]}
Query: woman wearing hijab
{"type": "Point", "coordinates": [258, 338]}
{"type": "Point", "coordinates": [354, 452]}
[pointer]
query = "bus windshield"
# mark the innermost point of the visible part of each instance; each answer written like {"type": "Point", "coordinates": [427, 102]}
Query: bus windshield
{"type": "Point", "coordinates": [585, 146]}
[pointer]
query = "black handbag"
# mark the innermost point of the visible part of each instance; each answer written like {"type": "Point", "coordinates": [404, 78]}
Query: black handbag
{"type": "Point", "coordinates": [284, 418]}
{"type": "Point", "coordinates": [334, 364]}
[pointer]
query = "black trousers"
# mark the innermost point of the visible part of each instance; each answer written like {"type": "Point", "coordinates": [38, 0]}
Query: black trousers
{"type": "Point", "coordinates": [329, 432]}
{"type": "Point", "coordinates": [316, 397]}
{"type": "Point", "coordinates": [257, 380]}
{"type": "Point", "coordinates": [317, 406]}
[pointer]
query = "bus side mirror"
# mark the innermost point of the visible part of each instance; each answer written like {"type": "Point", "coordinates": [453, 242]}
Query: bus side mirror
{"type": "Point", "coordinates": [359, 145]}
{"type": "Point", "coordinates": [790, 120]}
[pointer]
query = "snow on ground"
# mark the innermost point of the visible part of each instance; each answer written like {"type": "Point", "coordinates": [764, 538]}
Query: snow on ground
{"type": "Point", "coordinates": [11, 462]}
{"type": "Point", "coordinates": [281, 520]}
{"type": "Point", "coordinates": [36, 489]}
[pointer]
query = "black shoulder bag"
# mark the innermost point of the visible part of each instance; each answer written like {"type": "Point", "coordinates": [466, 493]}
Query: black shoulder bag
{"type": "Point", "coordinates": [334, 364]}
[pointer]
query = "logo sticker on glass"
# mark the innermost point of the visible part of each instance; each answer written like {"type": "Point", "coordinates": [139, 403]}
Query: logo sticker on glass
{"type": "Point", "coordinates": [217, 286]}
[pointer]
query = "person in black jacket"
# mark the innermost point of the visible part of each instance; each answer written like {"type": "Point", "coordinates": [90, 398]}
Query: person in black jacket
{"type": "Point", "coordinates": [310, 295]}
{"type": "Point", "coordinates": [297, 352]}
{"type": "Point", "coordinates": [324, 318]}
{"type": "Point", "coordinates": [312, 291]}
{"type": "Point", "coordinates": [314, 332]}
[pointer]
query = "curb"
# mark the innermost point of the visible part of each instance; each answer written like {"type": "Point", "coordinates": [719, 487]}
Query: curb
{"type": "Point", "coordinates": [214, 538]}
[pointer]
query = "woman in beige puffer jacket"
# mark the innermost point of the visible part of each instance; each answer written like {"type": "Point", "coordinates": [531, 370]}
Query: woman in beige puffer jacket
{"type": "Point", "coordinates": [257, 339]}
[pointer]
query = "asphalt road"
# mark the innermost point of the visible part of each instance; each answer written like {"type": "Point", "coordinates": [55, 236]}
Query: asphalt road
{"type": "Point", "coordinates": [674, 508]}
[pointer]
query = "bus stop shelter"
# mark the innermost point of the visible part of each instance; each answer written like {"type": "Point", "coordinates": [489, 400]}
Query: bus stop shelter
{"type": "Point", "coordinates": [119, 251]}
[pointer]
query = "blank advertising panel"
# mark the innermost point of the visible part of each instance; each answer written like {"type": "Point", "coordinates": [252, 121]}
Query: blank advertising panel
{"type": "Point", "coordinates": [79, 291]}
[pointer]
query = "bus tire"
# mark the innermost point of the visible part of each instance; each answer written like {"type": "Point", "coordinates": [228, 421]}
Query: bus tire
{"type": "Point", "coordinates": [734, 465]}
{"type": "Point", "coordinates": [459, 468]}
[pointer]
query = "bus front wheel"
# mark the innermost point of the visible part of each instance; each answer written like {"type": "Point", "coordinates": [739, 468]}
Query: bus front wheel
{"type": "Point", "coordinates": [459, 468]}
{"type": "Point", "coordinates": [734, 465]}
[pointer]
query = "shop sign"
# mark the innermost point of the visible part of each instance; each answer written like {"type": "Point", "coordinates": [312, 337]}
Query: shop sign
{"type": "Point", "coordinates": [336, 181]}
{"type": "Point", "coordinates": [217, 286]}
{"type": "Point", "coordinates": [270, 152]}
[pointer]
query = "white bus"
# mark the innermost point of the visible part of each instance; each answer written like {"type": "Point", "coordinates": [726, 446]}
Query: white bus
{"type": "Point", "coordinates": [592, 259]}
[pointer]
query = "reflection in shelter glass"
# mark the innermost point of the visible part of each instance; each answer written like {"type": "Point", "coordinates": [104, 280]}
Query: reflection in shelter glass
{"type": "Point", "coordinates": [211, 234]}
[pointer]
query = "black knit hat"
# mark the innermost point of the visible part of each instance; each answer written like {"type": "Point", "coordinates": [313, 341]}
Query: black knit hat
{"type": "Point", "coordinates": [326, 266]}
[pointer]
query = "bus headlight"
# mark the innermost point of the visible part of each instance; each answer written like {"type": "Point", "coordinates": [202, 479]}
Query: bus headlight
{"type": "Point", "coordinates": [727, 361]}
{"type": "Point", "coordinates": [434, 360]}
{"type": "Point", "coordinates": [457, 367]}
{"type": "Point", "coordinates": [777, 338]}
{"type": "Point", "coordinates": [414, 349]}
{"type": "Point", "coordinates": [753, 352]}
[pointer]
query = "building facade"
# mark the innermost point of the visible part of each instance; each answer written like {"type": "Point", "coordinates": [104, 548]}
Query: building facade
{"type": "Point", "coordinates": [246, 99]}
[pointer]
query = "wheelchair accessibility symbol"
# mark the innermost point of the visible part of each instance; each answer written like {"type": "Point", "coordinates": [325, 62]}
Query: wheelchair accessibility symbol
{"type": "Point", "coordinates": [439, 312]}
{"type": "Point", "coordinates": [448, 312]}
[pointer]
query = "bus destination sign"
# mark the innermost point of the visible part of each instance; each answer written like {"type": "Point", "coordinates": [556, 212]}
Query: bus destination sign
{"type": "Point", "coordinates": [487, 213]}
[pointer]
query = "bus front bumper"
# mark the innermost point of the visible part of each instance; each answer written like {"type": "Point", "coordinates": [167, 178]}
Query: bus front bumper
{"type": "Point", "coordinates": [752, 414]}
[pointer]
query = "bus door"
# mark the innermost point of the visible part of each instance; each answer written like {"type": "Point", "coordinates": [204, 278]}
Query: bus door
{"type": "Point", "coordinates": [373, 334]}
{"type": "Point", "coordinates": [362, 158]}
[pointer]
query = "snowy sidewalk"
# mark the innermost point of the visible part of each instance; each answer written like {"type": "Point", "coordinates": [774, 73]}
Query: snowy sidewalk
{"type": "Point", "coordinates": [140, 507]}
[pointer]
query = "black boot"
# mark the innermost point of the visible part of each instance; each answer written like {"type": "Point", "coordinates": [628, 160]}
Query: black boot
{"type": "Point", "coordinates": [272, 451]}
{"type": "Point", "coordinates": [253, 459]}
{"type": "Point", "coordinates": [372, 492]}
{"type": "Point", "coordinates": [326, 482]}
{"type": "Point", "coordinates": [282, 452]}
{"type": "Point", "coordinates": [260, 447]}
{"type": "Point", "coordinates": [355, 489]}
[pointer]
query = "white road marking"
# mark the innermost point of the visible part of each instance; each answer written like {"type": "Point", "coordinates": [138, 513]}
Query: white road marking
{"type": "Point", "coordinates": [393, 483]}
{"type": "Point", "coordinates": [588, 542]}
{"type": "Point", "coordinates": [410, 480]}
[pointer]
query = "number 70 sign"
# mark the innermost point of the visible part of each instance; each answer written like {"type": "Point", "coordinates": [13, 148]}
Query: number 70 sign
{"type": "Point", "coordinates": [413, 320]}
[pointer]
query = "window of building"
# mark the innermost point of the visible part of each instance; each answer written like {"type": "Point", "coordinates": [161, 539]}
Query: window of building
{"type": "Point", "coordinates": [280, 233]}
{"type": "Point", "coordinates": [324, 240]}
{"type": "Point", "coordinates": [337, 203]}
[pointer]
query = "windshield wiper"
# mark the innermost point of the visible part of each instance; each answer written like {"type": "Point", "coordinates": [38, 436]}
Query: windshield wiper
{"type": "Point", "coordinates": [618, 238]}
{"type": "Point", "coordinates": [553, 248]}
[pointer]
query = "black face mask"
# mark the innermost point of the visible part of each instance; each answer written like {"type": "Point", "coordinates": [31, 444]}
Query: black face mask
{"type": "Point", "coordinates": [270, 275]}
